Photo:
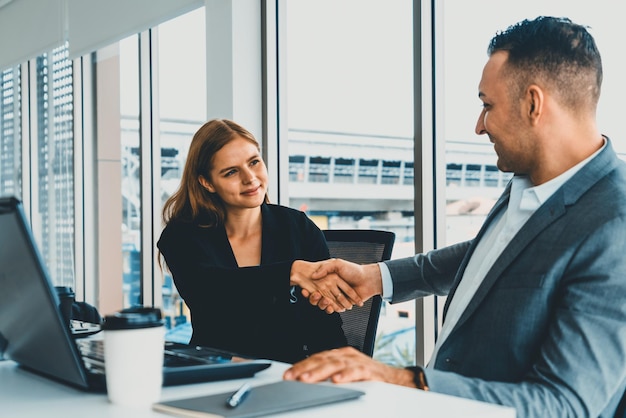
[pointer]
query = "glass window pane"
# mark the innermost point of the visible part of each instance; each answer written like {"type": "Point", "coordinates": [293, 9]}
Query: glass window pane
{"type": "Point", "coordinates": [181, 89]}
{"type": "Point", "coordinates": [473, 181]}
{"type": "Point", "coordinates": [350, 101]}
{"type": "Point", "coordinates": [10, 134]}
{"type": "Point", "coordinates": [131, 169]}
{"type": "Point", "coordinates": [53, 213]}
{"type": "Point", "coordinates": [182, 105]}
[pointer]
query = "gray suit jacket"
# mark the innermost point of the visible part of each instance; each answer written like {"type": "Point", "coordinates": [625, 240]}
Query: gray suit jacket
{"type": "Point", "coordinates": [546, 330]}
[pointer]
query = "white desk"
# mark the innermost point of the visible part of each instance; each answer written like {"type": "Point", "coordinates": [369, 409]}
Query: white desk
{"type": "Point", "coordinates": [24, 394]}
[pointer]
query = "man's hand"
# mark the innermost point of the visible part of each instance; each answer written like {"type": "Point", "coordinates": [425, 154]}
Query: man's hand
{"type": "Point", "coordinates": [333, 292]}
{"type": "Point", "coordinates": [365, 280]}
{"type": "Point", "coordinates": [344, 365]}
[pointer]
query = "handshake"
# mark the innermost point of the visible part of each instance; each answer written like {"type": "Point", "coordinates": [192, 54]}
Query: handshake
{"type": "Point", "coordinates": [336, 285]}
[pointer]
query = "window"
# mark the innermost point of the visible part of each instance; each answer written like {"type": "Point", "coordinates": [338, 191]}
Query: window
{"type": "Point", "coordinates": [182, 110]}
{"type": "Point", "coordinates": [10, 135]}
{"type": "Point", "coordinates": [319, 169]}
{"type": "Point", "coordinates": [391, 172]}
{"type": "Point", "coordinates": [473, 180]}
{"type": "Point", "coordinates": [297, 168]}
{"type": "Point", "coordinates": [350, 124]}
{"type": "Point", "coordinates": [53, 204]}
{"type": "Point", "coordinates": [181, 105]}
{"type": "Point", "coordinates": [130, 123]}
{"type": "Point", "coordinates": [344, 170]}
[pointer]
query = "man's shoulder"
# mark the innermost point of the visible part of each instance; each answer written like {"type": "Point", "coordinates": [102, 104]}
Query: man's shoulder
{"type": "Point", "coordinates": [601, 180]}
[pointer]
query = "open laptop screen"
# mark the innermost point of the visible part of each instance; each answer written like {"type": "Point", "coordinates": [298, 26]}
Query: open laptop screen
{"type": "Point", "coordinates": [30, 322]}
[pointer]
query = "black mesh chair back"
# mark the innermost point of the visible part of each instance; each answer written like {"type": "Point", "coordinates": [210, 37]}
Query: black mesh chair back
{"type": "Point", "coordinates": [362, 246]}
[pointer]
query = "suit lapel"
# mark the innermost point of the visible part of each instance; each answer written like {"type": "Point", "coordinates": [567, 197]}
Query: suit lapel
{"type": "Point", "coordinates": [551, 210]}
{"type": "Point", "coordinates": [499, 206]}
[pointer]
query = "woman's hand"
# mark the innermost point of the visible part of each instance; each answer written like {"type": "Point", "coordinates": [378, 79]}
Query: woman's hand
{"type": "Point", "coordinates": [333, 294]}
{"type": "Point", "coordinates": [335, 285]}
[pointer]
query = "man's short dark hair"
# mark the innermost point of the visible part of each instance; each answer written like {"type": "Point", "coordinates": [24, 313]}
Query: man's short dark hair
{"type": "Point", "coordinates": [555, 52]}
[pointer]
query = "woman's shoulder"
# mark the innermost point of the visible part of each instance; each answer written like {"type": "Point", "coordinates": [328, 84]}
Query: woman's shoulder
{"type": "Point", "coordinates": [298, 234]}
{"type": "Point", "coordinates": [282, 215]}
{"type": "Point", "coordinates": [286, 214]}
{"type": "Point", "coordinates": [176, 228]}
{"type": "Point", "coordinates": [175, 225]}
{"type": "Point", "coordinates": [283, 210]}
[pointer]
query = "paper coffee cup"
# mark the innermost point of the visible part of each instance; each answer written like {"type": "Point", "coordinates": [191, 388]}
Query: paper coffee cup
{"type": "Point", "coordinates": [133, 355]}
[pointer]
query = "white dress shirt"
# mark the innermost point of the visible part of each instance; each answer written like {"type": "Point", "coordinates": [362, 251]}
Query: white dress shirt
{"type": "Point", "coordinates": [524, 200]}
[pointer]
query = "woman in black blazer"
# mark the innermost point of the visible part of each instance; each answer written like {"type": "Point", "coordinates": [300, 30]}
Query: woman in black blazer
{"type": "Point", "coordinates": [230, 253]}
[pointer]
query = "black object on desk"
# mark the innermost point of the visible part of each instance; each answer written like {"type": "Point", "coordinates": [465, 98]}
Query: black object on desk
{"type": "Point", "coordinates": [67, 297]}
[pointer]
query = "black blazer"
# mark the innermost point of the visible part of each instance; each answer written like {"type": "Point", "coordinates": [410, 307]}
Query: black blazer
{"type": "Point", "coordinates": [251, 310]}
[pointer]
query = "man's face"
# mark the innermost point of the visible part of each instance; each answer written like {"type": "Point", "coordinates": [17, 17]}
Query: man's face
{"type": "Point", "coordinates": [501, 119]}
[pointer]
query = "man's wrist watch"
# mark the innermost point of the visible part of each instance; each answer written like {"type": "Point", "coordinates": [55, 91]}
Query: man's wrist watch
{"type": "Point", "coordinates": [419, 377]}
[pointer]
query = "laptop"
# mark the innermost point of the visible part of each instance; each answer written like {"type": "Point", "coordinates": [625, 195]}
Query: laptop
{"type": "Point", "coordinates": [34, 334]}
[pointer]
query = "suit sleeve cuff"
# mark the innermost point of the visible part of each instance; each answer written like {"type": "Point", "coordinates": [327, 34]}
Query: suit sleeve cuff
{"type": "Point", "coordinates": [386, 282]}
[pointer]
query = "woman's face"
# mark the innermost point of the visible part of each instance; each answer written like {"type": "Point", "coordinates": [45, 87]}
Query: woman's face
{"type": "Point", "coordinates": [238, 176]}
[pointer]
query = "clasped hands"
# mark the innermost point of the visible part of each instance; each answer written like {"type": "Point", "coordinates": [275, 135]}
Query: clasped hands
{"type": "Point", "coordinates": [336, 285]}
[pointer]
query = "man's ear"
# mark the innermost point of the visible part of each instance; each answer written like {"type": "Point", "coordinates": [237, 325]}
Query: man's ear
{"type": "Point", "coordinates": [534, 103]}
{"type": "Point", "coordinates": [204, 183]}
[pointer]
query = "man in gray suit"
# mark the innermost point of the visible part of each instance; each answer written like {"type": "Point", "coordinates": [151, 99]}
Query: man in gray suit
{"type": "Point", "coordinates": [536, 311]}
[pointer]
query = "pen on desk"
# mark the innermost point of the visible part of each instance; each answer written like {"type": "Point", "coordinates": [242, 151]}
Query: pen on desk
{"type": "Point", "coordinates": [238, 397]}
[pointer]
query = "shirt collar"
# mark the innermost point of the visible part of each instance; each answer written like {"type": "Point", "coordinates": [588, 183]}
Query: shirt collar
{"type": "Point", "coordinates": [534, 196]}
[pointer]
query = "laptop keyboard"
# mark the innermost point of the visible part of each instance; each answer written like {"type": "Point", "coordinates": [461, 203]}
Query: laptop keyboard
{"type": "Point", "coordinates": [175, 355]}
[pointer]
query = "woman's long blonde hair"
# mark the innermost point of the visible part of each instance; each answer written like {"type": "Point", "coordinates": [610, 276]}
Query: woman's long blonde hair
{"type": "Point", "coordinates": [191, 200]}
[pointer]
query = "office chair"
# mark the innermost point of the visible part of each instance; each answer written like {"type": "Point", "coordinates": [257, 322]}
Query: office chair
{"type": "Point", "coordinates": [361, 246]}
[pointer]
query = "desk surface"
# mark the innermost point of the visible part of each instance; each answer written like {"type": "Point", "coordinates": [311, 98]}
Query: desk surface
{"type": "Point", "coordinates": [24, 394]}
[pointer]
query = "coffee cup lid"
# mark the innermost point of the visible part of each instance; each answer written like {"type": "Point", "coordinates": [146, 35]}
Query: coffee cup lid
{"type": "Point", "coordinates": [64, 290]}
{"type": "Point", "coordinates": [133, 318]}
